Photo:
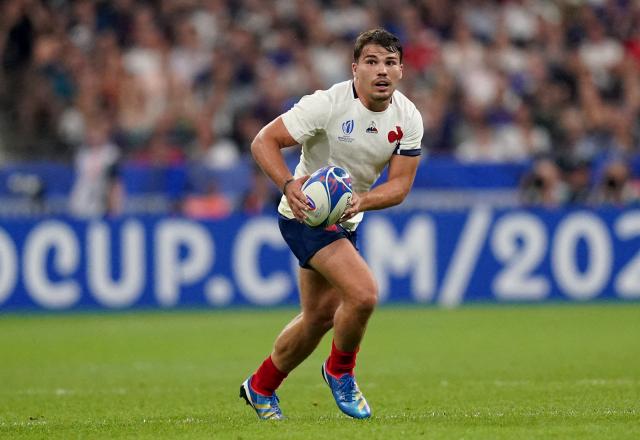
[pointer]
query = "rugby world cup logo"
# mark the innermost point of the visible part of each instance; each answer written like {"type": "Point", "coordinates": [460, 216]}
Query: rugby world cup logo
{"type": "Point", "coordinates": [347, 129]}
{"type": "Point", "coordinates": [347, 126]}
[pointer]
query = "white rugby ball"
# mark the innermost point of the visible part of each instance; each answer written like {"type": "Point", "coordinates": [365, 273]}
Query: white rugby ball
{"type": "Point", "coordinates": [328, 192]}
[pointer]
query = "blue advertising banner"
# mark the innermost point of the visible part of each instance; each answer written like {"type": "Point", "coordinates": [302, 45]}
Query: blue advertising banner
{"type": "Point", "coordinates": [418, 257]}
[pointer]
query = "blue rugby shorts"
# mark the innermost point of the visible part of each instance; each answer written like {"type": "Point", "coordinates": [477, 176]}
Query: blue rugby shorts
{"type": "Point", "coordinates": [304, 241]}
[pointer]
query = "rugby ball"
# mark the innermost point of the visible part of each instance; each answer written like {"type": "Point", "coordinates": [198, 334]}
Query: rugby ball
{"type": "Point", "coordinates": [328, 192]}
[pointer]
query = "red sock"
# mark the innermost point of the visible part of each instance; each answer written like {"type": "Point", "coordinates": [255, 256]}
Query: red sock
{"type": "Point", "coordinates": [341, 362]}
{"type": "Point", "coordinates": [267, 378]}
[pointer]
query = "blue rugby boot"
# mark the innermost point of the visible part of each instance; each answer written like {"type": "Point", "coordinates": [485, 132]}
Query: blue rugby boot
{"type": "Point", "coordinates": [266, 407]}
{"type": "Point", "coordinates": [347, 394]}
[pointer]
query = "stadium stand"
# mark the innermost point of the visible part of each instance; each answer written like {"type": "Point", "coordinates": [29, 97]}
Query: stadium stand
{"type": "Point", "coordinates": [508, 90]}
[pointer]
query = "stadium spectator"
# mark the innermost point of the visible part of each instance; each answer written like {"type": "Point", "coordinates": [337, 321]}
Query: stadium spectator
{"type": "Point", "coordinates": [522, 140]}
{"type": "Point", "coordinates": [544, 185]}
{"type": "Point", "coordinates": [160, 151]}
{"type": "Point", "coordinates": [213, 152]}
{"type": "Point", "coordinates": [97, 190]}
{"type": "Point", "coordinates": [147, 83]}
{"type": "Point", "coordinates": [188, 58]}
{"type": "Point", "coordinates": [480, 143]}
{"type": "Point", "coordinates": [616, 188]}
{"type": "Point", "coordinates": [577, 175]}
{"type": "Point", "coordinates": [599, 53]}
{"type": "Point", "coordinates": [211, 205]}
{"type": "Point", "coordinates": [574, 143]}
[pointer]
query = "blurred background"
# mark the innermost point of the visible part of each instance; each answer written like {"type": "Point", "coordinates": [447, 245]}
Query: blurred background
{"type": "Point", "coordinates": [129, 107]}
{"type": "Point", "coordinates": [125, 109]}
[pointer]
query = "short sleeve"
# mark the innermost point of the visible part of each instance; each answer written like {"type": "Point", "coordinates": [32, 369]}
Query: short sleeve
{"type": "Point", "coordinates": [308, 116]}
{"type": "Point", "coordinates": [411, 142]}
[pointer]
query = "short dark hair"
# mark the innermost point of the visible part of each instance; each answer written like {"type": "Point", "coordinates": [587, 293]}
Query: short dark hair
{"type": "Point", "coordinates": [379, 36]}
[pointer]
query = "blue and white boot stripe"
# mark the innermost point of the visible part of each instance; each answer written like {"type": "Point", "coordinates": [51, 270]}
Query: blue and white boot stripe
{"type": "Point", "coordinates": [265, 410]}
{"type": "Point", "coordinates": [356, 407]}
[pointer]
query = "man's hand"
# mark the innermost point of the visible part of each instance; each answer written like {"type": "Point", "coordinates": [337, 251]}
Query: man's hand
{"type": "Point", "coordinates": [296, 198]}
{"type": "Point", "coordinates": [352, 209]}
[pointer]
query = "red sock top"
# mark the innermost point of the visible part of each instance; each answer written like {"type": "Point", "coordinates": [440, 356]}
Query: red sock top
{"type": "Point", "coordinates": [341, 362]}
{"type": "Point", "coordinates": [267, 378]}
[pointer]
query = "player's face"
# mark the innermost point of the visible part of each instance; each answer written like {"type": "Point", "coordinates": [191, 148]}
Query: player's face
{"type": "Point", "coordinates": [376, 75]}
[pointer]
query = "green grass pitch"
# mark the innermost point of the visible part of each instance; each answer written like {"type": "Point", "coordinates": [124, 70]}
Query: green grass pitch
{"type": "Point", "coordinates": [501, 372]}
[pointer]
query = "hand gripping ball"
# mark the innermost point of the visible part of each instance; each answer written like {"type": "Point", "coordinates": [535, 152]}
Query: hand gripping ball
{"type": "Point", "coordinates": [328, 192]}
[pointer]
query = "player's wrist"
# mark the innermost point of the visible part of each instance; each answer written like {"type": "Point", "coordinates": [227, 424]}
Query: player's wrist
{"type": "Point", "coordinates": [285, 184]}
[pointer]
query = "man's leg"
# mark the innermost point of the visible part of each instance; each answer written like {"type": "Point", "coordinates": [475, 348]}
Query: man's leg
{"type": "Point", "coordinates": [341, 292]}
{"type": "Point", "coordinates": [319, 301]}
{"type": "Point", "coordinates": [347, 271]}
{"type": "Point", "coordinates": [343, 267]}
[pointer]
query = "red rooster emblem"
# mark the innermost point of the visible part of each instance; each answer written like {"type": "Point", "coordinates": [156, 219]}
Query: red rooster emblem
{"type": "Point", "coordinates": [395, 136]}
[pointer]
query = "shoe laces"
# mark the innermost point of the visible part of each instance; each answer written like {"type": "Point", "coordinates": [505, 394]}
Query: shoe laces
{"type": "Point", "coordinates": [347, 388]}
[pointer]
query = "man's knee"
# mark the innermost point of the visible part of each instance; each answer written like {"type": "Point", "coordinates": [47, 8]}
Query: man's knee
{"type": "Point", "coordinates": [366, 304]}
{"type": "Point", "coordinates": [365, 297]}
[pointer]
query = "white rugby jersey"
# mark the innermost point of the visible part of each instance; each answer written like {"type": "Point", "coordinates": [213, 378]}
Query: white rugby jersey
{"type": "Point", "coordinates": [335, 128]}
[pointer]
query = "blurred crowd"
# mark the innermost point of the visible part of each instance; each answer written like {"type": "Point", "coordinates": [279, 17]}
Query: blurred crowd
{"type": "Point", "coordinates": [171, 82]}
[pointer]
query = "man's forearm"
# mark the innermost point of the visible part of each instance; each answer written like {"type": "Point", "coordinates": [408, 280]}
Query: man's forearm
{"type": "Point", "coordinates": [388, 194]}
{"type": "Point", "coordinates": [269, 158]}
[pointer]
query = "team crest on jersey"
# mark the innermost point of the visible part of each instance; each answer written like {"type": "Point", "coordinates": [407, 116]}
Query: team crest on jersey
{"type": "Point", "coordinates": [372, 128]}
{"type": "Point", "coordinates": [347, 129]}
{"type": "Point", "coordinates": [395, 136]}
